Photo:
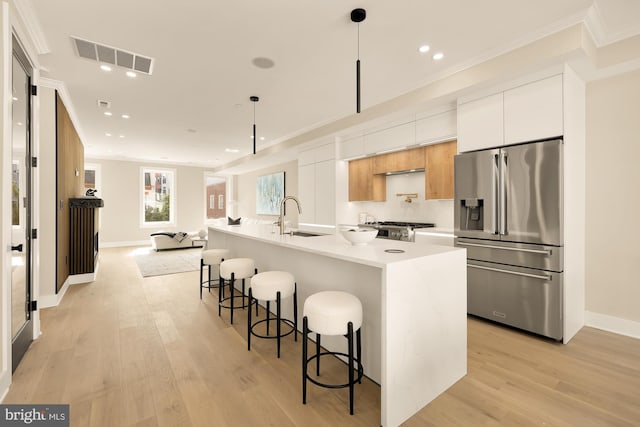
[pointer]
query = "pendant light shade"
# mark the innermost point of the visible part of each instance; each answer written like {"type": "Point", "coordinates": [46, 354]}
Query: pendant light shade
{"type": "Point", "coordinates": [357, 16]}
{"type": "Point", "coordinates": [254, 99]}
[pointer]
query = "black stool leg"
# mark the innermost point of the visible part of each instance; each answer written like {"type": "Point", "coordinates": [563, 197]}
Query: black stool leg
{"type": "Point", "coordinates": [232, 287]}
{"type": "Point", "coordinates": [268, 315]}
{"type": "Point", "coordinates": [359, 353]}
{"type": "Point", "coordinates": [209, 279]}
{"type": "Point", "coordinates": [249, 321]}
{"type": "Point", "coordinates": [220, 279]}
{"type": "Point", "coordinates": [220, 291]}
{"type": "Point", "coordinates": [257, 305]}
{"type": "Point", "coordinates": [201, 268]}
{"type": "Point", "coordinates": [295, 311]}
{"type": "Point", "coordinates": [243, 290]}
{"type": "Point", "coordinates": [305, 332]}
{"type": "Point", "coordinates": [351, 381]}
{"type": "Point", "coordinates": [318, 354]}
{"type": "Point", "coordinates": [278, 321]}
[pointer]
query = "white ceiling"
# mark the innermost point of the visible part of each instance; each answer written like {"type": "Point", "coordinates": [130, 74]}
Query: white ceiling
{"type": "Point", "coordinates": [203, 74]}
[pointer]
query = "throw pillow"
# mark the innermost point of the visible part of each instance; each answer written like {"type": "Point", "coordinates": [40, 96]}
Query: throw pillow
{"type": "Point", "coordinates": [231, 221]}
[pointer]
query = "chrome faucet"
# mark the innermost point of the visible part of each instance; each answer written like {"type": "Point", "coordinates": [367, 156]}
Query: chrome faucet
{"type": "Point", "coordinates": [281, 220]}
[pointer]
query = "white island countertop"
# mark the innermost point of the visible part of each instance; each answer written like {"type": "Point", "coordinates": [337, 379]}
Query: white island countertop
{"type": "Point", "coordinates": [334, 245]}
{"type": "Point", "coordinates": [414, 327]}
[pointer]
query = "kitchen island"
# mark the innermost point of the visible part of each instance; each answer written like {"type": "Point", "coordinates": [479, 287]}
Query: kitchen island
{"type": "Point", "coordinates": [414, 331]}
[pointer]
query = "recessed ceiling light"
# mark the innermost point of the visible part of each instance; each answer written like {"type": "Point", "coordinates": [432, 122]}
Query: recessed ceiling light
{"type": "Point", "coordinates": [231, 150]}
{"type": "Point", "coordinates": [131, 74]}
{"type": "Point", "coordinates": [424, 48]}
{"type": "Point", "coordinates": [15, 98]}
{"type": "Point", "coordinates": [121, 136]}
{"type": "Point", "coordinates": [108, 113]}
{"type": "Point", "coordinates": [262, 138]}
{"type": "Point", "coordinates": [104, 67]}
{"type": "Point", "coordinates": [438, 56]}
{"type": "Point", "coordinates": [107, 134]}
{"type": "Point", "coordinates": [19, 123]}
{"type": "Point", "coordinates": [125, 116]}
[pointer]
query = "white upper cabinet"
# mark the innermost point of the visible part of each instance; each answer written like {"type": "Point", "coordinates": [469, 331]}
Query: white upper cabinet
{"type": "Point", "coordinates": [436, 128]}
{"type": "Point", "coordinates": [397, 137]}
{"type": "Point", "coordinates": [533, 111]}
{"type": "Point", "coordinates": [529, 112]}
{"type": "Point", "coordinates": [480, 123]}
{"type": "Point", "coordinates": [353, 147]}
{"type": "Point", "coordinates": [306, 193]}
{"type": "Point", "coordinates": [316, 185]}
{"type": "Point", "coordinates": [325, 194]}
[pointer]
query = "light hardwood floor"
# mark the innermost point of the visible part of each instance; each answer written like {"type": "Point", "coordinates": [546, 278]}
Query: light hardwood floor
{"type": "Point", "coordinates": [127, 351]}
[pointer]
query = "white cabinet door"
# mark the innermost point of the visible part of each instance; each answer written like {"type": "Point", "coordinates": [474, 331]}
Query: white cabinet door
{"type": "Point", "coordinates": [352, 148]}
{"type": "Point", "coordinates": [480, 123]}
{"type": "Point", "coordinates": [533, 111]}
{"type": "Point", "coordinates": [436, 128]}
{"type": "Point", "coordinates": [325, 193]}
{"type": "Point", "coordinates": [306, 193]}
{"type": "Point", "coordinates": [388, 139]}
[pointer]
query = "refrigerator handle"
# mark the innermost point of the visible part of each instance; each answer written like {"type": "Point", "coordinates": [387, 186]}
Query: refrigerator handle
{"type": "Point", "coordinates": [502, 195]}
{"type": "Point", "coordinates": [495, 207]}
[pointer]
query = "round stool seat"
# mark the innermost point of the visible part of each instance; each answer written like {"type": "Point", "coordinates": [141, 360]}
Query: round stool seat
{"type": "Point", "coordinates": [241, 267]}
{"type": "Point", "coordinates": [265, 286]}
{"type": "Point", "coordinates": [215, 256]}
{"type": "Point", "coordinates": [329, 312]}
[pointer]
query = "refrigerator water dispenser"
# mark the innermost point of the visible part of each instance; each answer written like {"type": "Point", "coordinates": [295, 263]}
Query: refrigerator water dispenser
{"type": "Point", "coordinates": [471, 214]}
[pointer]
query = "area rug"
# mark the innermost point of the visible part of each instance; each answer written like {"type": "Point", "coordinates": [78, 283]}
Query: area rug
{"type": "Point", "coordinates": [154, 263]}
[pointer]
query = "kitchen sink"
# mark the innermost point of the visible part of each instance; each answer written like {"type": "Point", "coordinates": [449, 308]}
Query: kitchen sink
{"type": "Point", "coordinates": [305, 234]}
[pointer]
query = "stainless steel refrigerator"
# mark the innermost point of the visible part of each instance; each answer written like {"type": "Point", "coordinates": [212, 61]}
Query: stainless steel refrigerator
{"type": "Point", "coordinates": [509, 216]}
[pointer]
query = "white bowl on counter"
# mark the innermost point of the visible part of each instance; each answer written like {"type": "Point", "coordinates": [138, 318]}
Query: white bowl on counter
{"type": "Point", "coordinates": [359, 236]}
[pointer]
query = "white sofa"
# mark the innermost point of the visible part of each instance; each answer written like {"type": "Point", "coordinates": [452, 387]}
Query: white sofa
{"type": "Point", "coordinates": [163, 240]}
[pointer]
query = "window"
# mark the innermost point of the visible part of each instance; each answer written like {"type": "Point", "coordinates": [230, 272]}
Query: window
{"type": "Point", "coordinates": [158, 196]}
{"type": "Point", "coordinates": [215, 195]}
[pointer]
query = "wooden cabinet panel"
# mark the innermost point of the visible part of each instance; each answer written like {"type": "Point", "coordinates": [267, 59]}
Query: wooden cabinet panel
{"type": "Point", "coordinates": [439, 170]}
{"type": "Point", "coordinates": [399, 161]}
{"type": "Point", "coordinates": [363, 184]}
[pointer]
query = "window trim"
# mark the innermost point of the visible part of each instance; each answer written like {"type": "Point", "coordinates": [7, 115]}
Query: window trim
{"type": "Point", "coordinates": [227, 189]}
{"type": "Point", "coordinates": [173, 197]}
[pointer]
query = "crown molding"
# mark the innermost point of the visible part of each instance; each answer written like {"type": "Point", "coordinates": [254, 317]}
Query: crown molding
{"type": "Point", "coordinates": [602, 35]}
{"type": "Point", "coordinates": [27, 14]}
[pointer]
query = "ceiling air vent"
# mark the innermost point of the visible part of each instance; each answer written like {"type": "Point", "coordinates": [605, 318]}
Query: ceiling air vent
{"type": "Point", "coordinates": [114, 56]}
{"type": "Point", "coordinates": [104, 104]}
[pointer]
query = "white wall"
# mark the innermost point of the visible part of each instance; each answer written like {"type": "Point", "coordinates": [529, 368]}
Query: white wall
{"type": "Point", "coordinates": [439, 212]}
{"type": "Point", "coordinates": [613, 196]}
{"type": "Point", "coordinates": [245, 192]}
{"type": "Point", "coordinates": [120, 223]}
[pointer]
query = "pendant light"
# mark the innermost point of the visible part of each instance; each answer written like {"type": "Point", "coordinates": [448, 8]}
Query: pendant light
{"type": "Point", "coordinates": [357, 16]}
{"type": "Point", "coordinates": [254, 99]}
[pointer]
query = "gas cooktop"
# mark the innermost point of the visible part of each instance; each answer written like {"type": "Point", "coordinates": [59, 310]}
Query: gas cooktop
{"type": "Point", "coordinates": [402, 224]}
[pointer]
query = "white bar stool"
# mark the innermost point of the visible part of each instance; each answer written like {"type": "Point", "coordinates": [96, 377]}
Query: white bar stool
{"type": "Point", "coordinates": [231, 270]}
{"type": "Point", "coordinates": [332, 313]}
{"type": "Point", "coordinates": [209, 258]}
{"type": "Point", "coordinates": [273, 286]}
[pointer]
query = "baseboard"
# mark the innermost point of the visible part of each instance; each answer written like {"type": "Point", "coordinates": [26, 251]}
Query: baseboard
{"type": "Point", "coordinates": [53, 300]}
{"type": "Point", "coordinates": [613, 324]}
{"type": "Point", "coordinates": [5, 382]}
{"type": "Point", "coordinates": [76, 279]}
{"type": "Point", "coordinates": [125, 244]}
